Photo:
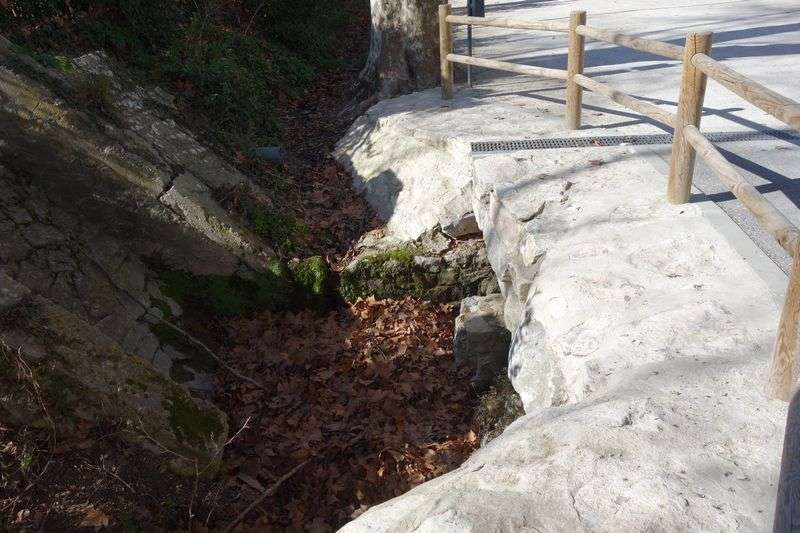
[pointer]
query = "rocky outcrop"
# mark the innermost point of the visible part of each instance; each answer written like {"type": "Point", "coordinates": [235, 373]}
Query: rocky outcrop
{"type": "Point", "coordinates": [100, 190]}
{"type": "Point", "coordinates": [481, 339]}
{"type": "Point", "coordinates": [641, 338]}
{"type": "Point", "coordinates": [434, 267]}
{"type": "Point", "coordinates": [410, 178]}
{"type": "Point", "coordinates": [78, 374]}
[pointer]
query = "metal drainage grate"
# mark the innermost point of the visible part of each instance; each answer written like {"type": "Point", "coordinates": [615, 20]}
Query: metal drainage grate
{"type": "Point", "coordinates": [617, 140]}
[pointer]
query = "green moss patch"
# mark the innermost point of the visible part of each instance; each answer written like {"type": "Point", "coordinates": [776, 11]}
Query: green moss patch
{"type": "Point", "coordinates": [191, 424]}
{"type": "Point", "coordinates": [313, 280]}
{"type": "Point", "coordinates": [278, 288]}
{"type": "Point", "coordinates": [390, 274]}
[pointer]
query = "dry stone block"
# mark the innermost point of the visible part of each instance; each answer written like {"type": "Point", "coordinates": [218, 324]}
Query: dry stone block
{"type": "Point", "coordinates": [481, 338]}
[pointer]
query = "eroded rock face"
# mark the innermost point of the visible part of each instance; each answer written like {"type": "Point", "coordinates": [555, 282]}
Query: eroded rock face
{"type": "Point", "coordinates": [84, 375]}
{"type": "Point", "coordinates": [98, 183]}
{"type": "Point", "coordinates": [129, 140]}
{"type": "Point", "coordinates": [433, 267]}
{"type": "Point", "coordinates": [481, 338]}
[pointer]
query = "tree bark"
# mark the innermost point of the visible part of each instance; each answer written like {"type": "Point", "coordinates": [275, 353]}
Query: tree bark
{"type": "Point", "coordinates": [404, 50]}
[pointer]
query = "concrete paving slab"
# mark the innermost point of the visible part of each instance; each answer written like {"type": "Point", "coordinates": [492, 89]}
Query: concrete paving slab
{"type": "Point", "coordinates": [760, 39]}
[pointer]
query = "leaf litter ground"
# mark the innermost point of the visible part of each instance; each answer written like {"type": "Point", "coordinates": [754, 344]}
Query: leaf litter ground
{"type": "Point", "coordinates": [369, 393]}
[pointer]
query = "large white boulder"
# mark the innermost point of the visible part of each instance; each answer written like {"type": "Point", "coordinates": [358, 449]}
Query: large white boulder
{"type": "Point", "coordinates": [409, 175]}
{"type": "Point", "coordinates": [640, 350]}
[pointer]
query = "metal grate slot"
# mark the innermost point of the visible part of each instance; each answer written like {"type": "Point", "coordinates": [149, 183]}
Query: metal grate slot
{"type": "Point", "coordinates": [617, 140]}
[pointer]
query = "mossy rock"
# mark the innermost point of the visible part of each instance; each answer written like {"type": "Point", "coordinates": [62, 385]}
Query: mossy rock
{"type": "Point", "coordinates": [278, 288]}
{"type": "Point", "coordinates": [497, 408]}
{"type": "Point", "coordinates": [84, 375]}
{"type": "Point", "coordinates": [433, 267]}
{"type": "Point", "coordinates": [387, 274]}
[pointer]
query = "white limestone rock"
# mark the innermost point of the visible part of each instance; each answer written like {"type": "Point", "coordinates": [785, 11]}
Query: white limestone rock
{"type": "Point", "coordinates": [408, 178]}
{"type": "Point", "coordinates": [640, 349]}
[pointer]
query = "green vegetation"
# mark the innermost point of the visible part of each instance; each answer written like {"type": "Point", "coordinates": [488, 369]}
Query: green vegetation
{"type": "Point", "coordinates": [227, 296]}
{"type": "Point", "coordinates": [387, 274]}
{"type": "Point", "coordinates": [281, 228]}
{"type": "Point", "coordinates": [233, 80]}
{"type": "Point", "coordinates": [230, 62]}
{"type": "Point", "coordinates": [276, 289]}
{"type": "Point", "coordinates": [95, 94]}
{"type": "Point", "coordinates": [497, 408]}
{"type": "Point", "coordinates": [57, 62]}
{"type": "Point", "coordinates": [192, 425]}
{"type": "Point", "coordinates": [313, 280]}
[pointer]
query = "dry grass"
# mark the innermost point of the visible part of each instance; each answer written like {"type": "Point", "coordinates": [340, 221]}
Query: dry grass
{"type": "Point", "coordinates": [497, 408]}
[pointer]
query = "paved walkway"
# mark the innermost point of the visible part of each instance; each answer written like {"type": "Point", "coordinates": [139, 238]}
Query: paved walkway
{"type": "Point", "coordinates": [761, 39]}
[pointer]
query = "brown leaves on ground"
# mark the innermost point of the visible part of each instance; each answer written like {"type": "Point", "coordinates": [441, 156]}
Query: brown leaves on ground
{"type": "Point", "coordinates": [335, 216]}
{"type": "Point", "coordinates": [334, 213]}
{"type": "Point", "coordinates": [370, 392]}
{"type": "Point", "coordinates": [93, 518]}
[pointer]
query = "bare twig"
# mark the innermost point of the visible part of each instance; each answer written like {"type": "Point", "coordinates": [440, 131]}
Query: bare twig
{"type": "Point", "coordinates": [157, 443]}
{"type": "Point", "coordinates": [244, 426]}
{"type": "Point", "coordinates": [194, 494]}
{"type": "Point", "coordinates": [197, 471]}
{"type": "Point", "coordinates": [180, 330]}
{"type": "Point", "coordinates": [208, 350]}
{"type": "Point", "coordinates": [264, 495]}
{"type": "Point", "coordinates": [29, 376]}
{"type": "Point", "coordinates": [13, 503]}
{"type": "Point", "coordinates": [255, 14]}
{"type": "Point", "coordinates": [102, 468]}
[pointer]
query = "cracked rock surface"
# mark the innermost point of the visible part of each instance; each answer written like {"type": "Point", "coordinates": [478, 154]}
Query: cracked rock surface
{"type": "Point", "coordinates": [90, 199]}
{"type": "Point", "coordinates": [88, 377]}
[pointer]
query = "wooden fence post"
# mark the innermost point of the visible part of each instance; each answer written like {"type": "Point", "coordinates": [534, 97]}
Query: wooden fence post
{"type": "Point", "coordinates": [784, 357]}
{"type": "Point", "coordinates": [445, 47]}
{"type": "Point", "coordinates": [782, 380]}
{"type": "Point", "coordinates": [575, 61]}
{"type": "Point", "coordinates": [787, 502]}
{"type": "Point", "coordinates": [690, 109]}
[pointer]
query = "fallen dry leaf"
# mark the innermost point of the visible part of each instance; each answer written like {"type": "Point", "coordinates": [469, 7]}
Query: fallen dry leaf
{"type": "Point", "coordinates": [93, 518]}
{"type": "Point", "coordinates": [370, 391]}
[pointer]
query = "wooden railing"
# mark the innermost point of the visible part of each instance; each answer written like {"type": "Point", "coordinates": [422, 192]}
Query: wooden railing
{"type": "Point", "coordinates": [688, 142]}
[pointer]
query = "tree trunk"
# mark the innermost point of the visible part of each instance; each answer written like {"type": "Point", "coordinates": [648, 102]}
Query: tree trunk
{"type": "Point", "coordinates": [404, 50]}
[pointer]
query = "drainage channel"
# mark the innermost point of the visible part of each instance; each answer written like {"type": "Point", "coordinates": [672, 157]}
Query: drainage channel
{"type": "Point", "coordinates": [634, 140]}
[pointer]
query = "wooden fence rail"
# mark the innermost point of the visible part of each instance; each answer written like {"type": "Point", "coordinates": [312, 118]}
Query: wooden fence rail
{"type": "Point", "coordinates": [526, 70]}
{"type": "Point", "coordinates": [631, 102]}
{"type": "Point", "coordinates": [688, 142]}
{"type": "Point", "coordinates": [776, 224]}
{"type": "Point", "coordinates": [777, 105]}
{"type": "Point", "coordinates": [542, 25]}
{"type": "Point", "coordinates": [649, 46]}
